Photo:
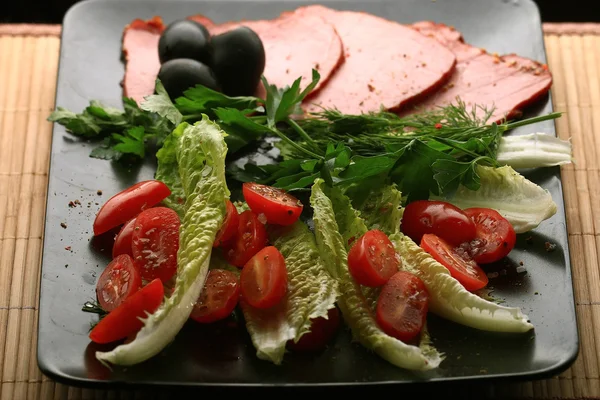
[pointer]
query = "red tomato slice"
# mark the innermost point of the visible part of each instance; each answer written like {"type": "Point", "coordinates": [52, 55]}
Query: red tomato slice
{"type": "Point", "coordinates": [155, 242]}
{"type": "Point", "coordinates": [322, 330]}
{"type": "Point", "coordinates": [229, 227]}
{"type": "Point", "coordinates": [402, 306]}
{"type": "Point", "coordinates": [373, 260]}
{"type": "Point", "coordinates": [278, 206]}
{"type": "Point", "coordinates": [250, 238]}
{"type": "Point", "coordinates": [128, 203]}
{"type": "Point", "coordinates": [119, 280]}
{"type": "Point", "coordinates": [440, 218]}
{"type": "Point", "coordinates": [263, 281]}
{"type": "Point", "coordinates": [495, 237]}
{"type": "Point", "coordinates": [218, 298]}
{"type": "Point", "coordinates": [122, 243]}
{"type": "Point", "coordinates": [463, 269]}
{"type": "Point", "coordinates": [123, 321]}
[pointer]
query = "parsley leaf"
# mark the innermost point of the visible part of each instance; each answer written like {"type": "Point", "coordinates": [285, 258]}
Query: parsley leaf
{"type": "Point", "coordinates": [281, 103]}
{"type": "Point", "coordinates": [240, 129]}
{"type": "Point", "coordinates": [200, 99]}
{"type": "Point", "coordinates": [413, 171]}
{"type": "Point", "coordinates": [449, 174]}
{"type": "Point", "coordinates": [161, 104]}
{"type": "Point", "coordinates": [132, 142]}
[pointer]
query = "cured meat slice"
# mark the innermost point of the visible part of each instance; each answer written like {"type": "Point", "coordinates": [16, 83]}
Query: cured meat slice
{"type": "Point", "coordinates": [387, 64]}
{"type": "Point", "coordinates": [505, 84]}
{"type": "Point", "coordinates": [293, 47]}
{"type": "Point", "coordinates": [140, 48]}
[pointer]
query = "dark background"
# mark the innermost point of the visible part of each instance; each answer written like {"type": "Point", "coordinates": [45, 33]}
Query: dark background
{"type": "Point", "coordinates": [52, 11]}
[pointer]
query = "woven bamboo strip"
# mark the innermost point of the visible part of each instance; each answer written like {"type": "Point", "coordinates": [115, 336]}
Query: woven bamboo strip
{"type": "Point", "coordinates": [10, 217]}
{"type": "Point", "coordinates": [25, 191]}
{"type": "Point", "coordinates": [36, 199]}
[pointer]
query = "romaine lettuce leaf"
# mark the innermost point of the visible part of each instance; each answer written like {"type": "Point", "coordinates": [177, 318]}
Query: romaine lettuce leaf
{"type": "Point", "coordinates": [516, 198]}
{"type": "Point", "coordinates": [311, 293]}
{"type": "Point", "coordinates": [382, 209]}
{"type": "Point", "coordinates": [450, 300]}
{"type": "Point", "coordinates": [200, 155]}
{"type": "Point", "coordinates": [332, 230]}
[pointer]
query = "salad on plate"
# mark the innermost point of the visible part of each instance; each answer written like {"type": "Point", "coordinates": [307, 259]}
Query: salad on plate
{"type": "Point", "coordinates": [385, 188]}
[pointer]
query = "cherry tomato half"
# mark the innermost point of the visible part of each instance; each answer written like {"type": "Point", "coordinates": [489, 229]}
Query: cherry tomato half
{"type": "Point", "coordinates": [463, 269]}
{"type": "Point", "coordinates": [155, 243]}
{"type": "Point", "coordinates": [119, 280]}
{"type": "Point", "coordinates": [440, 218]}
{"type": "Point", "coordinates": [122, 243]}
{"type": "Point", "coordinates": [128, 203]}
{"type": "Point", "coordinates": [372, 260]}
{"type": "Point", "coordinates": [495, 237]}
{"type": "Point", "coordinates": [278, 206]}
{"type": "Point", "coordinates": [229, 227]}
{"type": "Point", "coordinates": [402, 306]}
{"type": "Point", "coordinates": [322, 330]}
{"type": "Point", "coordinates": [263, 281]}
{"type": "Point", "coordinates": [218, 298]}
{"type": "Point", "coordinates": [124, 320]}
{"type": "Point", "coordinates": [251, 236]}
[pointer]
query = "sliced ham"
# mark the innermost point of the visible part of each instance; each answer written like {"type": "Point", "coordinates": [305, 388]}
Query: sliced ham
{"type": "Point", "coordinates": [140, 48]}
{"type": "Point", "coordinates": [507, 84]}
{"type": "Point", "coordinates": [387, 64]}
{"type": "Point", "coordinates": [293, 47]}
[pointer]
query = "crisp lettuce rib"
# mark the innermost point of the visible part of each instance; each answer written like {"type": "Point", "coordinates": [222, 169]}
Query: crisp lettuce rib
{"type": "Point", "coordinates": [200, 155]}
{"type": "Point", "coordinates": [332, 237]}
{"type": "Point", "coordinates": [449, 299]}
{"type": "Point", "coordinates": [523, 203]}
{"type": "Point", "coordinates": [311, 293]}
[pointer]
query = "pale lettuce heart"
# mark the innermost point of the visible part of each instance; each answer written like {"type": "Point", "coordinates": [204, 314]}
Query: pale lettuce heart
{"type": "Point", "coordinates": [523, 203]}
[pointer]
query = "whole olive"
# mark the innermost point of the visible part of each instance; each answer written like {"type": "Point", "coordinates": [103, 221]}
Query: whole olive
{"type": "Point", "coordinates": [238, 61]}
{"type": "Point", "coordinates": [183, 73]}
{"type": "Point", "coordinates": [185, 39]}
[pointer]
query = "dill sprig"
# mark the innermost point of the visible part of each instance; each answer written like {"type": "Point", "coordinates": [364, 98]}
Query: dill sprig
{"type": "Point", "coordinates": [376, 132]}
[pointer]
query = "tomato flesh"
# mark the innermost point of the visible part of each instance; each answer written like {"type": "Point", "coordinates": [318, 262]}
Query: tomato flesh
{"type": "Point", "coordinates": [119, 280]}
{"type": "Point", "coordinates": [124, 321]}
{"type": "Point", "coordinates": [155, 242]}
{"type": "Point", "coordinates": [495, 236]}
{"type": "Point", "coordinates": [402, 306]}
{"type": "Point", "coordinates": [229, 227]}
{"type": "Point", "coordinates": [250, 238]}
{"type": "Point", "coordinates": [263, 280]}
{"type": "Point", "coordinates": [322, 331]}
{"type": "Point", "coordinates": [438, 217]}
{"type": "Point", "coordinates": [461, 266]}
{"type": "Point", "coordinates": [372, 260]}
{"type": "Point", "coordinates": [122, 243]}
{"type": "Point", "coordinates": [128, 203]}
{"type": "Point", "coordinates": [278, 206]}
{"type": "Point", "coordinates": [218, 298]}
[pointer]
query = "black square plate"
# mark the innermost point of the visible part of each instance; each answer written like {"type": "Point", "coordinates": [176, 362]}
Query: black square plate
{"type": "Point", "coordinates": [91, 68]}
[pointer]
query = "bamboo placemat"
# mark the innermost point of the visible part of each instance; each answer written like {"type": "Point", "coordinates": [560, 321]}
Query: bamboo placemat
{"type": "Point", "coordinates": [28, 66]}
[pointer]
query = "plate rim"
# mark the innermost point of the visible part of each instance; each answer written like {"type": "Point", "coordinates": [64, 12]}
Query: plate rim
{"type": "Point", "coordinates": [543, 373]}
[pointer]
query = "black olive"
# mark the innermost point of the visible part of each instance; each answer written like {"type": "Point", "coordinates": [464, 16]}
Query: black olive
{"type": "Point", "coordinates": [238, 61]}
{"type": "Point", "coordinates": [183, 73]}
{"type": "Point", "coordinates": [184, 39]}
